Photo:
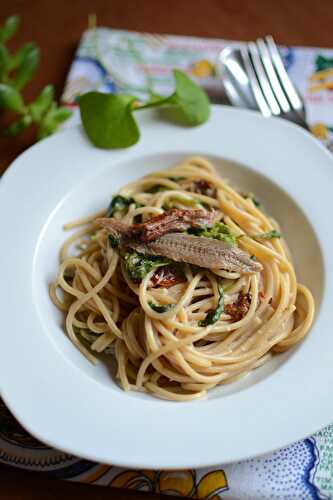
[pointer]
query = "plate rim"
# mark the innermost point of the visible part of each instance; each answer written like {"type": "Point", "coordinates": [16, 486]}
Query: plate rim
{"type": "Point", "coordinates": [18, 403]}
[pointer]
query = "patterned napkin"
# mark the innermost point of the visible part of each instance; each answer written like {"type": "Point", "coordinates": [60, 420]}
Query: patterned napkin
{"type": "Point", "coordinates": [113, 61]}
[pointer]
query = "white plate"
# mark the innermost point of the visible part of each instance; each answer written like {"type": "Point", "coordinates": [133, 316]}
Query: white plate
{"type": "Point", "coordinates": [63, 400]}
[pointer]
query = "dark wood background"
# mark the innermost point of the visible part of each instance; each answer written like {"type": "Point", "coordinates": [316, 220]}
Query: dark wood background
{"type": "Point", "coordinates": [56, 26]}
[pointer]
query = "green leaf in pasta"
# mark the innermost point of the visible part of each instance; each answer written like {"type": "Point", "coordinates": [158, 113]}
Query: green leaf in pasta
{"type": "Point", "coordinates": [137, 265]}
{"type": "Point", "coordinates": [214, 315]}
{"type": "Point", "coordinates": [120, 203]}
{"type": "Point", "coordinates": [219, 231]}
{"type": "Point", "coordinates": [160, 308]}
{"type": "Point", "coordinates": [267, 236]}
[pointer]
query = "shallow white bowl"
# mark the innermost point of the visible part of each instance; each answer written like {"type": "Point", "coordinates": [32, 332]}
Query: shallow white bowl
{"type": "Point", "coordinates": [63, 400]}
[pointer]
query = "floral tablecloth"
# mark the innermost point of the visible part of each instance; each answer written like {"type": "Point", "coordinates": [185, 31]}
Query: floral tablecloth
{"type": "Point", "coordinates": [114, 61]}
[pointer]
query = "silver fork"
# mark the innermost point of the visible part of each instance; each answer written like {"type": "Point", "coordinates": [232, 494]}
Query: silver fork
{"type": "Point", "coordinates": [272, 88]}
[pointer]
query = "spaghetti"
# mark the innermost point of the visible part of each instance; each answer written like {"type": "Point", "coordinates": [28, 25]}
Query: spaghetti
{"type": "Point", "coordinates": [175, 329]}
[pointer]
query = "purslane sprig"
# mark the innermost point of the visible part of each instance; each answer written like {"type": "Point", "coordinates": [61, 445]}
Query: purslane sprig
{"type": "Point", "coordinates": [108, 119]}
{"type": "Point", "coordinates": [16, 71]}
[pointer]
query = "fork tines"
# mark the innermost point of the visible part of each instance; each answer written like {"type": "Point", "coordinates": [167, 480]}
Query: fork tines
{"type": "Point", "coordinates": [272, 88]}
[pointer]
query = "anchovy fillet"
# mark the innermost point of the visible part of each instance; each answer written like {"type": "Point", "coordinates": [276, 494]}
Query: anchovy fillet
{"type": "Point", "coordinates": [181, 247]}
{"type": "Point", "coordinates": [200, 251]}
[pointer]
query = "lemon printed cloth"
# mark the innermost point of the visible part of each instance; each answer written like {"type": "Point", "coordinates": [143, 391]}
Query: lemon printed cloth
{"type": "Point", "coordinates": [114, 61]}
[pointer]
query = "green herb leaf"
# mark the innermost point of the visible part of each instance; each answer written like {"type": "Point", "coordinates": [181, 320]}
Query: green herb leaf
{"type": "Point", "coordinates": [252, 197]}
{"type": "Point", "coordinates": [42, 104]}
{"type": "Point", "coordinates": [154, 102]}
{"type": "Point", "coordinates": [267, 236]}
{"type": "Point", "coordinates": [219, 231]}
{"type": "Point", "coordinates": [4, 62]}
{"type": "Point", "coordinates": [28, 66]}
{"type": "Point", "coordinates": [214, 315]}
{"type": "Point", "coordinates": [191, 101]}
{"type": "Point", "coordinates": [11, 99]}
{"type": "Point", "coordinates": [160, 308]}
{"type": "Point", "coordinates": [17, 127]}
{"type": "Point", "coordinates": [19, 56]}
{"type": "Point", "coordinates": [176, 179]}
{"type": "Point", "coordinates": [15, 72]}
{"type": "Point", "coordinates": [59, 114]}
{"type": "Point", "coordinates": [52, 119]}
{"type": "Point", "coordinates": [108, 119]}
{"type": "Point", "coordinates": [119, 203]}
{"type": "Point", "coordinates": [138, 265]}
{"type": "Point", "coordinates": [157, 188]}
{"type": "Point", "coordinates": [9, 28]}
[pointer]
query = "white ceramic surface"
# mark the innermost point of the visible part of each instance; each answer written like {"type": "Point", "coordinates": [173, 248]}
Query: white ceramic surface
{"type": "Point", "coordinates": [63, 400]}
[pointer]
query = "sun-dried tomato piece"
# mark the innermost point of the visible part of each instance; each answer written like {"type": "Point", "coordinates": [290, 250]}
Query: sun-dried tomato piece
{"type": "Point", "coordinates": [173, 220]}
{"type": "Point", "coordinates": [239, 309]}
{"type": "Point", "coordinates": [203, 187]}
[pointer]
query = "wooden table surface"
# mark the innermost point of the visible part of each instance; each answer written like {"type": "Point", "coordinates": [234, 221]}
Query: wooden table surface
{"type": "Point", "coordinates": [57, 25]}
